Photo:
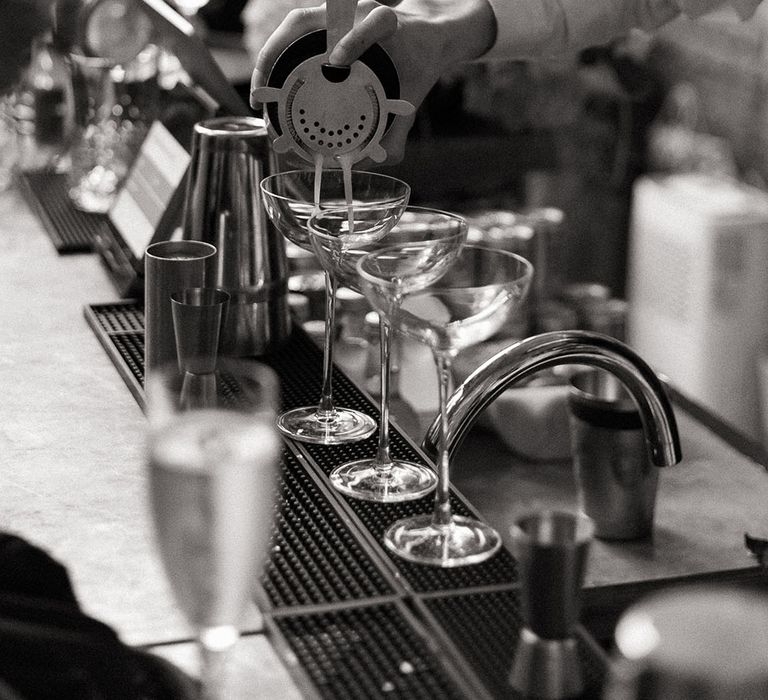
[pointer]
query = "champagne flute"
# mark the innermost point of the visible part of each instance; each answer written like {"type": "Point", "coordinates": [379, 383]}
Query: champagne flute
{"type": "Point", "coordinates": [468, 304]}
{"type": "Point", "coordinates": [213, 454]}
{"type": "Point", "coordinates": [341, 237]}
{"type": "Point", "coordinates": [290, 198]}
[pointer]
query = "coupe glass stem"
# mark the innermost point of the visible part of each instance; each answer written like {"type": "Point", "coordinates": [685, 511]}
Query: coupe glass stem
{"type": "Point", "coordinates": [383, 458]}
{"type": "Point", "coordinates": [325, 409]}
{"type": "Point", "coordinates": [441, 516]}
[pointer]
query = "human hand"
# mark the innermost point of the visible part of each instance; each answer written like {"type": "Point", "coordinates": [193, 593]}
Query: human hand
{"type": "Point", "coordinates": [424, 39]}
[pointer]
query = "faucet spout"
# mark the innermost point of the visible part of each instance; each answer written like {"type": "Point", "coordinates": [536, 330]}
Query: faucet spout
{"type": "Point", "coordinates": [538, 352]}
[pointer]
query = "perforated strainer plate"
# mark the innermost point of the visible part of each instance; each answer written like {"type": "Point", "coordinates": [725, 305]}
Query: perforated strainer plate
{"type": "Point", "coordinates": [329, 114]}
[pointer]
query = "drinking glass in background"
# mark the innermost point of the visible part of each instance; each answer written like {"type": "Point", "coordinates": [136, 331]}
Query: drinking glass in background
{"type": "Point", "coordinates": [290, 198]}
{"type": "Point", "coordinates": [341, 237]}
{"type": "Point", "coordinates": [467, 305]}
{"type": "Point", "coordinates": [213, 455]}
{"type": "Point", "coordinates": [114, 106]}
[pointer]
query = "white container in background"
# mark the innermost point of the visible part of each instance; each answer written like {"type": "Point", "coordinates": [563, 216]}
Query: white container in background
{"type": "Point", "coordinates": [698, 289]}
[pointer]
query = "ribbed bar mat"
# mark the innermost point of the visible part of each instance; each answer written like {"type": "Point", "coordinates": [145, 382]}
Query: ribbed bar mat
{"type": "Point", "coordinates": [70, 230]}
{"type": "Point", "coordinates": [120, 329]}
{"type": "Point", "coordinates": [367, 652]}
{"type": "Point", "coordinates": [335, 596]}
{"type": "Point", "coordinates": [484, 628]}
{"type": "Point", "coordinates": [315, 558]}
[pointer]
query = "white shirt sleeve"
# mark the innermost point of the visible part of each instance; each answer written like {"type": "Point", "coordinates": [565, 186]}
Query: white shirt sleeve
{"type": "Point", "coordinates": [527, 28]}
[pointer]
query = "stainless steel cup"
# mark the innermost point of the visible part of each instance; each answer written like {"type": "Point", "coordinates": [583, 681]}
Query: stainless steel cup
{"type": "Point", "coordinates": [551, 549]}
{"type": "Point", "coordinates": [170, 266]}
{"type": "Point", "coordinates": [230, 156]}
{"type": "Point", "coordinates": [198, 313]}
{"type": "Point", "coordinates": [616, 481]}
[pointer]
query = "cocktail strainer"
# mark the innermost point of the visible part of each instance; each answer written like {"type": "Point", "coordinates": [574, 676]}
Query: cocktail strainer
{"type": "Point", "coordinates": [329, 112]}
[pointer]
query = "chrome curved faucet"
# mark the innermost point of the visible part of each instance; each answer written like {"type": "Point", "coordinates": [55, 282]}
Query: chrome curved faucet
{"type": "Point", "coordinates": [538, 352]}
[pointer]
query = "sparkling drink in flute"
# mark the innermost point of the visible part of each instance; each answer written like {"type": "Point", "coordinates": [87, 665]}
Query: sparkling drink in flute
{"type": "Point", "coordinates": [213, 455]}
{"type": "Point", "coordinates": [470, 303]}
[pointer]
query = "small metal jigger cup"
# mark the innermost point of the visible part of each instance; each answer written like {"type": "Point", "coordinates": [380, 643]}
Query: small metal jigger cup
{"type": "Point", "coordinates": [198, 315]}
{"type": "Point", "coordinates": [551, 551]}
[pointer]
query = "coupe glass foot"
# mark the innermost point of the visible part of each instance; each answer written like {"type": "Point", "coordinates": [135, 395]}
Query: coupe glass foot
{"type": "Point", "coordinates": [464, 541]}
{"type": "Point", "coordinates": [404, 481]}
{"type": "Point", "coordinates": [306, 425]}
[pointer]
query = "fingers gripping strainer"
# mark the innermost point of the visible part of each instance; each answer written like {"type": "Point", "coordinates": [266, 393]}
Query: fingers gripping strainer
{"type": "Point", "coordinates": [328, 112]}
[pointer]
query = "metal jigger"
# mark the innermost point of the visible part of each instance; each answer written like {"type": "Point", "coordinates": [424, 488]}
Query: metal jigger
{"type": "Point", "coordinates": [551, 551]}
{"type": "Point", "coordinates": [198, 315]}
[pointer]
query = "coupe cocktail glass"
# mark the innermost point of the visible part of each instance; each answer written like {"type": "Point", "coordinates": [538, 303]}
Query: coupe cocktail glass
{"type": "Point", "coordinates": [290, 198]}
{"type": "Point", "coordinates": [213, 455]}
{"type": "Point", "coordinates": [343, 236]}
{"type": "Point", "coordinates": [470, 303]}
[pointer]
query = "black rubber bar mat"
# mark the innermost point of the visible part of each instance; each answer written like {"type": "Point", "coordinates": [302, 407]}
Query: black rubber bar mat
{"type": "Point", "coordinates": [70, 230]}
{"type": "Point", "coordinates": [483, 628]}
{"type": "Point", "coordinates": [315, 559]}
{"type": "Point", "coordinates": [366, 652]}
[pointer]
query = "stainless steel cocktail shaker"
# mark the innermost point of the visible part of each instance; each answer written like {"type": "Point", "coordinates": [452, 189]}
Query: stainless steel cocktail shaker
{"type": "Point", "coordinates": [230, 156]}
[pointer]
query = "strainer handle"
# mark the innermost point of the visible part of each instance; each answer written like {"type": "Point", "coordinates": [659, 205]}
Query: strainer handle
{"type": "Point", "coordinates": [340, 17]}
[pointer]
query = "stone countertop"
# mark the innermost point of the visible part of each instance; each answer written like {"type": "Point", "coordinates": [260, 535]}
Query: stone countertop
{"type": "Point", "coordinates": [72, 477]}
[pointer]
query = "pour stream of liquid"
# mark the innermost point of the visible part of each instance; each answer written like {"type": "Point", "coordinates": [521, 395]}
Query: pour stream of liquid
{"type": "Point", "coordinates": [346, 170]}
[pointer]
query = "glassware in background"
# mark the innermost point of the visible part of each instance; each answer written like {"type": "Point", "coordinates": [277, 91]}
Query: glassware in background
{"type": "Point", "coordinates": [508, 230]}
{"type": "Point", "coordinates": [343, 236]}
{"type": "Point", "coordinates": [352, 309]}
{"type": "Point", "coordinates": [44, 109]}
{"type": "Point", "coordinates": [114, 107]}
{"type": "Point", "coordinates": [290, 198]}
{"type": "Point", "coordinates": [213, 456]}
{"type": "Point", "coordinates": [465, 306]}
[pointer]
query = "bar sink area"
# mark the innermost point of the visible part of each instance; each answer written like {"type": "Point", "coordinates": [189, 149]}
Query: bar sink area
{"type": "Point", "coordinates": [705, 504]}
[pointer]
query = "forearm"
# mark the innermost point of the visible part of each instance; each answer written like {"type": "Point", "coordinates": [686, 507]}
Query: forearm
{"type": "Point", "coordinates": [530, 28]}
{"type": "Point", "coordinates": [462, 29]}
